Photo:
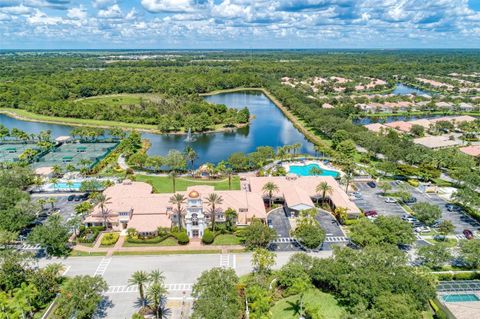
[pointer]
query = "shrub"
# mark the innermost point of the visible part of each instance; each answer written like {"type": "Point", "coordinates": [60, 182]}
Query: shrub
{"type": "Point", "coordinates": [311, 236]}
{"type": "Point", "coordinates": [182, 238]}
{"type": "Point", "coordinates": [88, 235]}
{"type": "Point", "coordinates": [154, 240]}
{"type": "Point", "coordinates": [208, 237]}
{"type": "Point", "coordinates": [413, 182]}
{"type": "Point", "coordinates": [110, 239]}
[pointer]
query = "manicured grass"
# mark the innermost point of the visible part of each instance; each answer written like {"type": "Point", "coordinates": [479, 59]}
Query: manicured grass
{"type": "Point", "coordinates": [170, 241]}
{"type": "Point", "coordinates": [29, 116]}
{"type": "Point", "coordinates": [163, 184]}
{"type": "Point", "coordinates": [114, 100]}
{"type": "Point", "coordinates": [328, 306]}
{"type": "Point", "coordinates": [449, 242]}
{"type": "Point", "coordinates": [226, 239]}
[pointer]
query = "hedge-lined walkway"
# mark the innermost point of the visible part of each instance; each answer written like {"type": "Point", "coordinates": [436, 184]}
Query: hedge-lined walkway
{"type": "Point", "coordinates": [189, 248]}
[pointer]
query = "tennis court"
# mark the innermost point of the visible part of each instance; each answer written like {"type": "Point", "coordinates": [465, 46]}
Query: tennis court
{"type": "Point", "coordinates": [12, 152]}
{"type": "Point", "coordinates": [76, 154]}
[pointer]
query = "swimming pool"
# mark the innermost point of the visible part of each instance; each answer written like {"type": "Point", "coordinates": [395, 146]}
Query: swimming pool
{"type": "Point", "coordinates": [67, 186]}
{"type": "Point", "coordinates": [304, 170]}
{"type": "Point", "coordinates": [460, 298]}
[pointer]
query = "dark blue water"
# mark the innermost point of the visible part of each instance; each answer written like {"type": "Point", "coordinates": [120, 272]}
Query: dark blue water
{"type": "Point", "coordinates": [403, 89]}
{"type": "Point", "coordinates": [268, 128]}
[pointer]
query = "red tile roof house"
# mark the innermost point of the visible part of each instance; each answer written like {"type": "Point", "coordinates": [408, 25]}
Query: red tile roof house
{"type": "Point", "coordinates": [133, 205]}
{"type": "Point", "coordinates": [400, 126]}
{"type": "Point", "coordinates": [473, 150]}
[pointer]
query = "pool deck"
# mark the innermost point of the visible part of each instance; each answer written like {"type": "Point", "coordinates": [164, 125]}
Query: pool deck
{"type": "Point", "coordinates": [309, 162]}
{"type": "Point", "coordinates": [463, 309]}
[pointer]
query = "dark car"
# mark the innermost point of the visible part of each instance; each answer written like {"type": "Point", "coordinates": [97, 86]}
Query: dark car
{"type": "Point", "coordinates": [453, 208]}
{"type": "Point", "coordinates": [410, 200]}
{"type": "Point", "coordinates": [71, 197]}
{"type": "Point", "coordinates": [372, 184]}
{"type": "Point", "coordinates": [468, 233]}
{"type": "Point", "coordinates": [370, 213]}
{"type": "Point", "coordinates": [78, 198]}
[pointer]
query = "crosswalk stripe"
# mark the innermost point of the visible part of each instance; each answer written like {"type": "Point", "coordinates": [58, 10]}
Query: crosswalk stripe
{"type": "Point", "coordinates": [102, 267]}
{"type": "Point", "coordinates": [134, 289]}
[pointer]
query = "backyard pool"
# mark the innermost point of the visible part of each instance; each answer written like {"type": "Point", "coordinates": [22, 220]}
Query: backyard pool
{"type": "Point", "coordinates": [304, 170]}
{"type": "Point", "coordinates": [460, 298]}
{"type": "Point", "coordinates": [74, 186]}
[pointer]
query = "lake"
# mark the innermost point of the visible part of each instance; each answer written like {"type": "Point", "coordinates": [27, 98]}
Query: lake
{"type": "Point", "coordinates": [269, 127]}
{"type": "Point", "coordinates": [402, 89]}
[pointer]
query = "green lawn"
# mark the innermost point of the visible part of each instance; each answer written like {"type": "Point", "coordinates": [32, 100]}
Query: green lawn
{"type": "Point", "coordinates": [226, 239]}
{"type": "Point", "coordinates": [170, 241]}
{"type": "Point", "coordinates": [163, 184]}
{"type": "Point", "coordinates": [114, 100]}
{"type": "Point", "coordinates": [285, 308]}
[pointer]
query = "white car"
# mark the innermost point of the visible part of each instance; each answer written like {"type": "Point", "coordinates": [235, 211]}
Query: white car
{"type": "Point", "coordinates": [390, 200]}
{"type": "Point", "coordinates": [422, 229]}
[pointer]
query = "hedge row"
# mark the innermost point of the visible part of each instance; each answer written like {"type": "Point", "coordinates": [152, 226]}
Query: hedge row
{"type": "Point", "coordinates": [458, 276]}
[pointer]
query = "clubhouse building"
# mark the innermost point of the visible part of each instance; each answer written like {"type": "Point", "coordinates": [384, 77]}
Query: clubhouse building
{"type": "Point", "coordinates": [133, 205]}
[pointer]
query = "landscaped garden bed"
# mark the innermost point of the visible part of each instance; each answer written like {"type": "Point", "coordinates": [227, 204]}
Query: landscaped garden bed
{"type": "Point", "coordinates": [164, 237]}
{"type": "Point", "coordinates": [109, 239]}
{"type": "Point", "coordinates": [88, 235]}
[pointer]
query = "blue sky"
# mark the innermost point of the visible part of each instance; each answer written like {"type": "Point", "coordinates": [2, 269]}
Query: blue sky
{"type": "Point", "coordinates": [256, 24]}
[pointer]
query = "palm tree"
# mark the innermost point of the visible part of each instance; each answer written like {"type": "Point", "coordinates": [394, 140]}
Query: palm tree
{"type": "Point", "coordinates": [57, 170]}
{"type": "Point", "coordinates": [213, 199]}
{"type": "Point", "coordinates": [156, 295]}
{"type": "Point", "coordinates": [156, 277]}
{"type": "Point", "coordinates": [324, 188]}
{"type": "Point", "coordinates": [178, 199]}
{"type": "Point", "coordinates": [228, 171]}
{"type": "Point", "coordinates": [173, 175]}
{"type": "Point", "coordinates": [51, 201]}
{"type": "Point", "coordinates": [102, 203]}
{"type": "Point", "coordinates": [139, 278]}
{"type": "Point", "coordinates": [190, 156]}
{"type": "Point", "coordinates": [270, 188]}
{"type": "Point", "coordinates": [315, 171]}
{"type": "Point", "coordinates": [347, 178]}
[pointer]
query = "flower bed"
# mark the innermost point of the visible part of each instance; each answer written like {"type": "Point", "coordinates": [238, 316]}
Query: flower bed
{"type": "Point", "coordinates": [110, 239]}
{"type": "Point", "coordinates": [88, 235]}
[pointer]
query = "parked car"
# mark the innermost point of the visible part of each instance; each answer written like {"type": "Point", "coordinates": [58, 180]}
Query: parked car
{"type": "Point", "coordinates": [71, 197]}
{"type": "Point", "coordinates": [356, 193]}
{"type": "Point", "coordinates": [453, 208]}
{"type": "Point", "coordinates": [370, 213]}
{"type": "Point", "coordinates": [78, 198]}
{"type": "Point", "coordinates": [410, 200]}
{"type": "Point", "coordinates": [269, 222]}
{"type": "Point", "coordinates": [390, 200]}
{"type": "Point", "coordinates": [422, 229]}
{"type": "Point", "coordinates": [468, 234]}
{"type": "Point", "coordinates": [372, 184]}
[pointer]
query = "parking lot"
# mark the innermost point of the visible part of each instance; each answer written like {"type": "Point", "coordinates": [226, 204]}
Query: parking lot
{"type": "Point", "coordinates": [279, 221]}
{"type": "Point", "coordinates": [64, 207]}
{"type": "Point", "coordinates": [371, 199]}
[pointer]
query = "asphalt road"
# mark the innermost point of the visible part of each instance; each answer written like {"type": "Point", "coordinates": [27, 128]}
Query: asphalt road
{"type": "Point", "coordinates": [181, 271]}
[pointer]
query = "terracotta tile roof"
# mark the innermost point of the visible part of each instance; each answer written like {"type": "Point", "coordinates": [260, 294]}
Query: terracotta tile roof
{"type": "Point", "coordinates": [473, 150]}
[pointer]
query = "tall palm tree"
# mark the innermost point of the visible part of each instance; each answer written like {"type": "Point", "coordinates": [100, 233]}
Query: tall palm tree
{"type": "Point", "coordinates": [190, 156]}
{"type": "Point", "coordinates": [173, 174]}
{"type": "Point", "coordinates": [213, 199]}
{"type": "Point", "coordinates": [323, 188]}
{"type": "Point", "coordinates": [156, 295]}
{"type": "Point", "coordinates": [156, 277]}
{"type": "Point", "coordinates": [315, 171]}
{"type": "Point", "coordinates": [228, 171]}
{"type": "Point", "coordinates": [139, 278]}
{"type": "Point", "coordinates": [270, 188]}
{"type": "Point", "coordinates": [347, 178]}
{"type": "Point", "coordinates": [103, 201]}
{"type": "Point", "coordinates": [178, 199]}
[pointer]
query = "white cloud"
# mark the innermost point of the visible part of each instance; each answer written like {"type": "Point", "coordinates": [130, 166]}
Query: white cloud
{"type": "Point", "coordinates": [17, 10]}
{"type": "Point", "coordinates": [111, 12]}
{"type": "Point", "coordinates": [77, 13]}
{"type": "Point", "coordinates": [41, 18]}
{"type": "Point", "coordinates": [174, 6]}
